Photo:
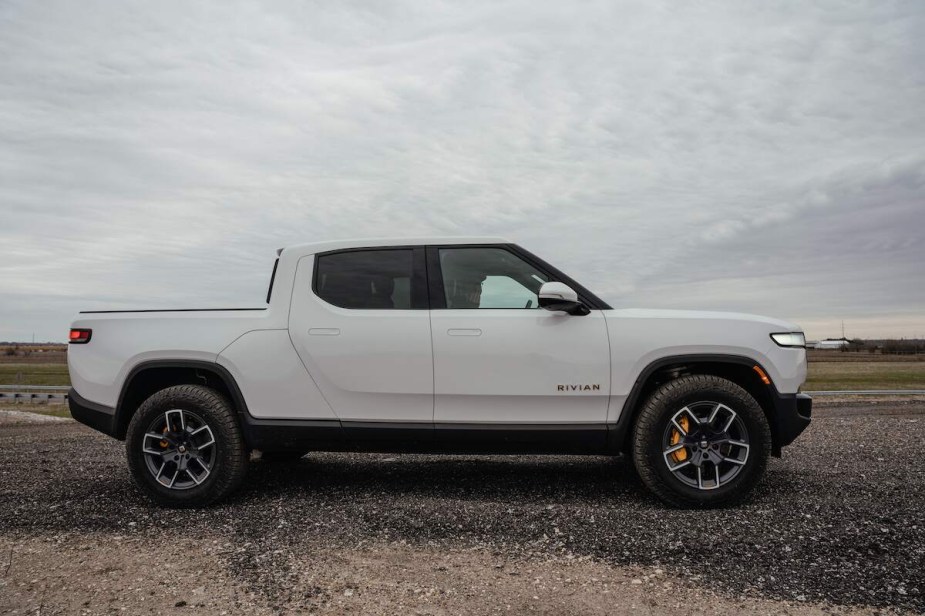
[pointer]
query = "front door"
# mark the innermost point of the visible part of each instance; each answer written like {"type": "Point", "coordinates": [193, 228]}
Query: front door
{"type": "Point", "coordinates": [360, 324]}
{"type": "Point", "coordinates": [503, 363]}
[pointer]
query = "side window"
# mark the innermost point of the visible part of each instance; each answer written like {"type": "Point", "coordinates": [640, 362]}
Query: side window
{"type": "Point", "coordinates": [488, 278]}
{"type": "Point", "coordinates": [366, 279]}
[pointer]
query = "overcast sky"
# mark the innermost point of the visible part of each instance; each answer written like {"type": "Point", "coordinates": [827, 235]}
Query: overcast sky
{"type": "Point", "coordinates": [750, 156]}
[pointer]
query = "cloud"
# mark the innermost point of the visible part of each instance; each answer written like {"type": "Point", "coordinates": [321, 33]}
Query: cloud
{"type": "Point", "coordinates": [718, 155]}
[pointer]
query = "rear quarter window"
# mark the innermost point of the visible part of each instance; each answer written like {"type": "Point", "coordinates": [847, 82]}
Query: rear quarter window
{"type": "Point", "coordinates": [366, 279]}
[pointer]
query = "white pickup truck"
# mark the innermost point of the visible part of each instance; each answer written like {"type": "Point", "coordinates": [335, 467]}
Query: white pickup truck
{"type": "Point", "coordinates": [436, 345]}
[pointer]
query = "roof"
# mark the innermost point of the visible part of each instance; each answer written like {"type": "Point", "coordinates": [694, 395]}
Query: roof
{"type": "Point", "coordinates": [316, 247]}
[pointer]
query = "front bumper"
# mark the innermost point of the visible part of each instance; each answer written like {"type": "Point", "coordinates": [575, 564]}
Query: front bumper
{"type": "Point", "coordinates": [97, 416]}
{"type": "Point", "coordinates": [793, 414]}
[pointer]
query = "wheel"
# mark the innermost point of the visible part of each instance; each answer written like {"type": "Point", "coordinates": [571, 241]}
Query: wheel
{"type": "Point", "coordinates": [282, 457]}
{"type": "Point", "coordinates": [185, 448]}
{"type": "Point", "coordinates": [701, 441]}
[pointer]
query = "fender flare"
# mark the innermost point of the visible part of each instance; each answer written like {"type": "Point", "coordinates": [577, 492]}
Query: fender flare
{"type": "Point", "coordinates": [619, 432]}
{"type": "Point", "coordinates": [222, 373]}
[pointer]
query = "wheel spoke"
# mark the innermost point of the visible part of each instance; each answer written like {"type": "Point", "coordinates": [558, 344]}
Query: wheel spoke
{"type": "Point", "coordinates": [672, 466]}
{"type": "Point", "coordinates": [192, 476]}
{"type": "Point", "coordinates": [732, 418]}
{"type": "Point", "coordinates": [156, 436]}
{"type": "Point", "coordinates": [714, 413]}
{"type": "Point", "coordinates": [182, 419]}
{"type": "Point", "coordinates": [716, 466]}
{"type": "Point", "coordinates": [175, 475]}
{"type": "Point", "coordinates": [700, 477]}
{"type": "Point", "coordinates": [203, 475]}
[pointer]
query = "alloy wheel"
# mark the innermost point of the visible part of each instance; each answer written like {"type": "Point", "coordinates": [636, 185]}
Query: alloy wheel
{"type": "Point", "coordinates": [179, 449]}
{"type": "Point", "coordinates": [705, 445]}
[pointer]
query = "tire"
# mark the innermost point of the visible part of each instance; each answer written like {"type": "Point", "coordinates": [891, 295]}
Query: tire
{"type": "Point", "coordinates": [188, 416]}
{"type": "Point", "coordinates": [673, 463]}
{"type": "Point", "coordinates": [282, 457]}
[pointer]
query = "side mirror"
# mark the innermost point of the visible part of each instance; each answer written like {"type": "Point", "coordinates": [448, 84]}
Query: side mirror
{"type": "Point", "coordinates": [560, 297]}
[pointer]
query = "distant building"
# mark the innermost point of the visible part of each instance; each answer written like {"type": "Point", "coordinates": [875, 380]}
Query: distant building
{"type": "Point", "coordinates": [831, 343]}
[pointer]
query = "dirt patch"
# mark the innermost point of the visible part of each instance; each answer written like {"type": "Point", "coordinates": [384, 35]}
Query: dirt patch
{"type": "Point", "coordinates": [11, 417]}
{"type": "Point", "coordinates": [72, 574]}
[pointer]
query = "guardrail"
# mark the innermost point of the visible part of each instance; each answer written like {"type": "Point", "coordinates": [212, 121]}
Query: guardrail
{"type": "Point", "coordinates": [54, 394]}
{"type": "Point", "coordinates": [869, 392]}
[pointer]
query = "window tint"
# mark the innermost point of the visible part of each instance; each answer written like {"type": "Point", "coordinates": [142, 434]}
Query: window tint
{"type": "Point", "coordinates": [370, 279]}
{"type": "Point", "coordinates": [488, 278]}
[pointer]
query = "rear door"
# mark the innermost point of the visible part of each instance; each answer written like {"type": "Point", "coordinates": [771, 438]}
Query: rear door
{"type": "Point", "coordinates": [359, 322]}
{"type": "Point", "coordinates": [505, 369]}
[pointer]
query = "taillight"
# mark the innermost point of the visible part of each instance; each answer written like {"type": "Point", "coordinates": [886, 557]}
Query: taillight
{"type": "Point", "coordinates": [79, 336]}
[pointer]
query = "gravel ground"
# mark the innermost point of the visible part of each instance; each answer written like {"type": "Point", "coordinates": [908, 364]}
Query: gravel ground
{"type": "Point", "coordinates": [837, 524]}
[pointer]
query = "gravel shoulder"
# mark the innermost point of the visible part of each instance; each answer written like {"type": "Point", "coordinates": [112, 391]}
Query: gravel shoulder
{"type": "Point", "coordinates": [837, 525]}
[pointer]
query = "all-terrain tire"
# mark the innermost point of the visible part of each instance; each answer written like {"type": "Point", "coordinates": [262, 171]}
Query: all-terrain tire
{"type": "Point", "coordinates": [648, 446]}
{"type": "Point", "coordinates": [228, 462]}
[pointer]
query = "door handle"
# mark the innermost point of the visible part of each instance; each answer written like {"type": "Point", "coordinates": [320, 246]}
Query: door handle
{"type": "Point", "coordinates": [324, 331]}
{"type": "Point", "coordinates": [464, 332]}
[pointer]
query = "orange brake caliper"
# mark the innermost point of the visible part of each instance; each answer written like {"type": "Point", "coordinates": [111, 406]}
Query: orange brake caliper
{"type": "Point", "coordinates": [681, 454]}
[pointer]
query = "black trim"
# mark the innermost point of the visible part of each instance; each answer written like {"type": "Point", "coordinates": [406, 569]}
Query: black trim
{"type": "Point", "coordinates": [435, 280]}
{"type": "Point", "coordinates": [785, 420]}
{"type": "Point", "coordinates": [172, 310]}
{"type": "Point", "coordinates": [794, 414]}
{"type": "Point", "coordinates": [583, 439]}
{"type": "Point", "coordinates": [294, 435]}
{"type": "Point", "coordinates": [96, 416]}
{"type": "Point", "coordinates": [425, 437]}
{"type": "Point", "coordinates": [420, 299]}
{"type": "Point", "coordinates": [272, 278]}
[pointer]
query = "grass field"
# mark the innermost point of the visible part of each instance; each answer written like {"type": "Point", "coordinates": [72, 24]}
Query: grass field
{"type": "Point", "coordinates": [865, 375]}
{"type": "Point", "coordinates": [823, 375]}
{"type": "Point", "coordinates": [34, 374]}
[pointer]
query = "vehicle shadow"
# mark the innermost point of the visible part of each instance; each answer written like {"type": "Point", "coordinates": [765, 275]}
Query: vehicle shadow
{"type": "Point", "coordinates": [563, 479]}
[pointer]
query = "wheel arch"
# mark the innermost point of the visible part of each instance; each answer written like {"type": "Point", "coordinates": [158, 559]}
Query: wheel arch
{"type": "Point", "coordinates": [151, 376]}
{"type": "Point", "coordinates": [739, 369]}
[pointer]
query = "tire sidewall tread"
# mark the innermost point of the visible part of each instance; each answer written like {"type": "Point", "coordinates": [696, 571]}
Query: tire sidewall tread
{"type": "Point", "coordinates": [652, 420]}
{"type": "Point", "coordinates": [231, 460]}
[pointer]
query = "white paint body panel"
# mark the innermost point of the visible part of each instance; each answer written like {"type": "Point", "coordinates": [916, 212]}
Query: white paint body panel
{"type": "Point", "coordinates": [370, 365]}
{"type": "Point", "coordinates": [510, 371]}
{"type": "Point", "coordinates": [640, 337]}
{"type": "Point", "coordinates": [122, 341]}
{"type": "Point", "coordinates": [272, 378]}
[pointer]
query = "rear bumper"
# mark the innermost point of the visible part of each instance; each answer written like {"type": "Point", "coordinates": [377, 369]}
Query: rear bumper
{"type": "Point", "coordinates": [794, 413]}
{"type": "Point", "coordinates": [96, 416]}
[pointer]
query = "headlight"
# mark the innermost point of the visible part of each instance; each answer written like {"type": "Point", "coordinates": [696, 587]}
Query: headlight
{"type": "Point", "coordinates": [791, 339]}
